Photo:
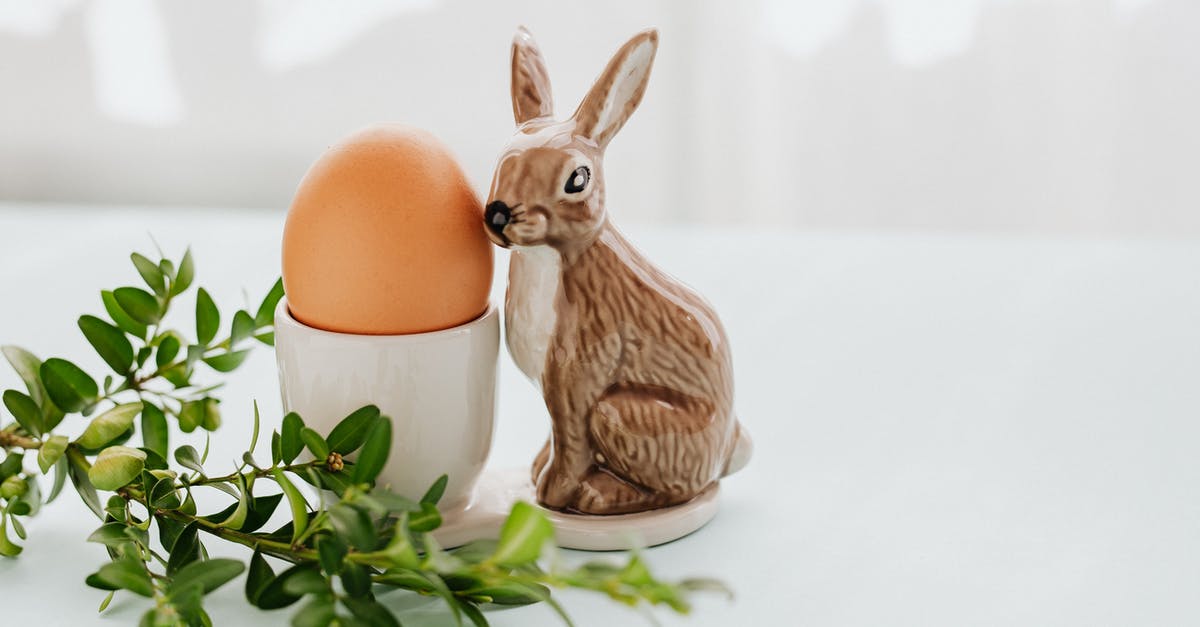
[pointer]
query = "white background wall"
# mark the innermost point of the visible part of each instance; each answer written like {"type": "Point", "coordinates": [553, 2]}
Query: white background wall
{"type": "Point", "coordinates": [1008, 115]}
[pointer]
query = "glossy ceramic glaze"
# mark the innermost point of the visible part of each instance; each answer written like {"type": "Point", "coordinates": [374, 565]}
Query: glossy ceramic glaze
{"type": "Point", "coordinates": [634, 366]}
{"type": "Point", "coordinates": [439, 389]}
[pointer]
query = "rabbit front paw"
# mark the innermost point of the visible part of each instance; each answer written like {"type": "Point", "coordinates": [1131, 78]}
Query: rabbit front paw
{"type": "Point", "coordinates": [556, 489]}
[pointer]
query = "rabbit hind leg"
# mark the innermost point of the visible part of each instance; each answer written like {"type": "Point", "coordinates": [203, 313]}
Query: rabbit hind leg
{"type": "Point", "coordinates": [658, 440]}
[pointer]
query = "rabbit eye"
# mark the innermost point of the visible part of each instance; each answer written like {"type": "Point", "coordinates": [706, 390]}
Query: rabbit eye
{"type": "Point", "coordinates": [578, 180]}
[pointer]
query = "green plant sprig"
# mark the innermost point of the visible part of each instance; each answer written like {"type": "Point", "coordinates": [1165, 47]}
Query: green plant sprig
{"type": "Point", "coordinates": [154, 371]}
{"type": "Point", "coordinates": [339, 551]}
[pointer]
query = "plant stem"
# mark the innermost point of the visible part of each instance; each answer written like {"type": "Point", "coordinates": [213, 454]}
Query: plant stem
{"type": "Point", "coordinates": [9, 439]}
{"type": "Point", "coordinates": [257, 473]}
{"type": "Point", "coordinates": [281, 550]}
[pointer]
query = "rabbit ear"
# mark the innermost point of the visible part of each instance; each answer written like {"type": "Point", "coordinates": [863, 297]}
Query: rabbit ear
{"type": "Point", "coordinates": [530, 82]}
{"type": "Point", "coordinates": [618, 90]}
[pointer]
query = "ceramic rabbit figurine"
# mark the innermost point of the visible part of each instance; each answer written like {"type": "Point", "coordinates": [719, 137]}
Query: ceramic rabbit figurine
{"type": "Point", "coordinates": [634, 366]}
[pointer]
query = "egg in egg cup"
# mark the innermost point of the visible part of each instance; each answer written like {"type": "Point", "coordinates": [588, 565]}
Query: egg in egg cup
{"type": "Point", "coordinates": [388, 274]}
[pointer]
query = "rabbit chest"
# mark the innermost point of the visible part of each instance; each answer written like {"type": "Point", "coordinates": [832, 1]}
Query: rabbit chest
{"type": "Point", "coordinates": [533, 283]}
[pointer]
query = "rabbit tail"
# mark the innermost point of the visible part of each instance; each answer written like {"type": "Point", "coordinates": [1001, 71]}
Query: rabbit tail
{"type": "Point", "coordinates": [743, 447]}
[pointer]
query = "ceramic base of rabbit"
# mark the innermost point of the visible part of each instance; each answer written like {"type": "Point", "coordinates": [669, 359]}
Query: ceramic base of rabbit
{"type": "Point", "coordinates": [497, 490]}
{"type": "Point", "coordinates": [634, 366]}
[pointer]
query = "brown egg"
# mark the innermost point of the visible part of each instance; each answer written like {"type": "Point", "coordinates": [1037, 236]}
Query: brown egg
{"type": "Point", "coordinates": [385, 237]}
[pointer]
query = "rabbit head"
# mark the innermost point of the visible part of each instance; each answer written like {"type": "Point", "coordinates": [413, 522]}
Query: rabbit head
{"type": "Point", "coordinates": [548, 189]}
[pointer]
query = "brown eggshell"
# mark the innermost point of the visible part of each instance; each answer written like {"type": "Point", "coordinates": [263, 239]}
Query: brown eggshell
{"type": "Point", "coordinates": [385, 237]}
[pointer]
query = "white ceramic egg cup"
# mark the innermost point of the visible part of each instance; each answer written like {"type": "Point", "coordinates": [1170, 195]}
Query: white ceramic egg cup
{"type": "Point", "coordinates": [439, 389]}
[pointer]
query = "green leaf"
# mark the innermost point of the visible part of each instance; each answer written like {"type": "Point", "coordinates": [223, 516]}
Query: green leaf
{"type": "Point", "coordinates": [78, 472]}
{"type": "Point", "coordinates": [25, 410]}
{"type": "Point", "coordinates": [258, 511]}
{"type": "Point", "coordinates": [20, 507]}
{"type": "Point", "coordinates": [336, 482]}
{"type": "Point", "coordinates": [110, 534]}
{"type": "Point", "coordinates": [331, 551]}
{"type": "Point", "coordinates": [143, 354]}
{"type": "Point", "coordinates": [28, 367]}
{"type": "Point", "coordinates": [177, 376]}
{"type": "Point", "coordinates": [168, 350]}
{"type": "Point", "coordinates": [60, 478]}
{"type": "Point", "coordinates": [237, 518]}
{"type": "Point", "coordinates": [370, 613]}
{"type": "Point", "coordinates": [157, 464]}
{"type": "Point", "coordinates": [297, 503]}
{"type": "Point", "coordinates": [202, 413]}
{"type": "Point", "coordinates": [406, 579]}
{"type": "Point", "coordinates": [208, 574]}
{"type": "Point", "coordinates": [385, 502]}
{"type": "Point", "coordinates": [351, 431]}
{"type": "Point", "coordinates": [243, 328]}
{"type": "Point", "coordinates": [400, 550]}
{"type": "Point", "coordinates": [319, 612]}
{"type": "Point", "coordinates": [186, 603]}
{"type": "Point", "coordinates": [150, 272]}
{"type": "Point", "coordinates": [95, 582]}
{"type": "Point", "coordinates": [428, 519]}
{"type": "Point", "coordinates": [108, 426]}
{"type": "Point", "coordinates": [354, 525]}
{"type": "Point", "coordinates": [11, 464]}
{"type": "Point", "coordinates": [435, 491]}
{"type": "Point", "coordinates": [276, 455]}
{"type": "Point", "coordinates": [116, 466]}
{"type": "Point", "coordinates": [154, 429]}
{"type": "Point", "coordinates": [512, 593]}
{"type": "Point", "coordinates": [208, 319]}
{"type": "Point", "coordinates": [69, 387]}
{"type": "Point", "coordinates": [315, 443]}
{"type": "Point", "coordinates": [473, 613]}
{"type": "Point", "coordinates": [164, 494]}
{"type": "Point", "coordinates": [523, 535]}
{"type": "Point", "coordinates": [254, 436]}
{"type": "Point", "coordinates": [356, 581]}
{"type": "Point", "coordinates": [7, 548]}
{"type": "Point", "coordinates": [51, 451]}
{"type": "Point", "coordinates": [266, 310]}
{"type": "Point", "coordinates": [273, 596]}
{"type": "Point", "coordinates": [185, 274]}
{"type": "Point", "coordinates": [185, 549]}
{"type": "Point", "coordinates": [13, 486]}
{"type": "Point", "coordinates": [126, 574]}
{"type": "Point", "coordinates": [258, 578]}
{"type": "Point", "coordinates": [109, 341]}
{"type": "Point", "coordinates": [120, 318]}
{"type": "Point", "coordinates": [374, 453]}
{"type": "Point", "coordinates": [290, 443]}
{"type": "Point", "coordinates": [441, 589]}
{"type": "Point", "coordinates": [141, 305]}
{"type": "Point", "coordinates": [188, 457]}
{"type": "Point", "coordinates": [306, 582]}
{"type": "Point", "coordinates": [227, 362]}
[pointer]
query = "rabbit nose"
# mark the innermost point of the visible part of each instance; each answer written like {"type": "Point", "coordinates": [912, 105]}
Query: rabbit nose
{"type": "Point", "coordinates": [497, 216]}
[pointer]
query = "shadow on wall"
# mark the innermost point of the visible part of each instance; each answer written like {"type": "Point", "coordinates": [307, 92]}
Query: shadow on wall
{"type": "Point", "coordinates": [1076, 116]}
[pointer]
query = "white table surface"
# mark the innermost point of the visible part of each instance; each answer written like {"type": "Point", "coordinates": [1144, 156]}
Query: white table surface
{"type": "Point", "coordinates": [950, 429]}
